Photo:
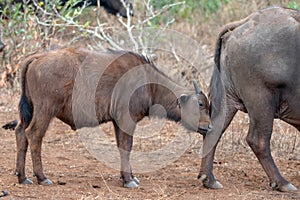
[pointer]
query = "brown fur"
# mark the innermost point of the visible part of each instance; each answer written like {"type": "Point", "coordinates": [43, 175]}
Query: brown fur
{"type": "Point", "coordinates": [84, 88]}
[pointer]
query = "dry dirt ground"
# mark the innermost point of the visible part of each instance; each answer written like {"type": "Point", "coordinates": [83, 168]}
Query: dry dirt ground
{"type": "Point", "coordinates": [76, 174]}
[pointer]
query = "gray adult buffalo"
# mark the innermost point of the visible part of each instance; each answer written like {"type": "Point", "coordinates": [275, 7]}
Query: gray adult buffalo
{"type": "Point", "coordinates": [257, 70]}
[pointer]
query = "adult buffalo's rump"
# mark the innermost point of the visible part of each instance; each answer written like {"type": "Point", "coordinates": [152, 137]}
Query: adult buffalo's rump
{"type": "Point", "coordinates": [257, 70]}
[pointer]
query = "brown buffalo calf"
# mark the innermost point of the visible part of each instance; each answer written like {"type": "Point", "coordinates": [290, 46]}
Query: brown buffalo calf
{"type": "Point", "coordinates": [84, 88]}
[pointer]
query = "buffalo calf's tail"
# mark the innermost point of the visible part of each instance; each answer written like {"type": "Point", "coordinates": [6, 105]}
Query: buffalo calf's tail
{"type": "Point", "coordinates": [25, 110]}
{"type": "Point", "coordinates": [25, 105]}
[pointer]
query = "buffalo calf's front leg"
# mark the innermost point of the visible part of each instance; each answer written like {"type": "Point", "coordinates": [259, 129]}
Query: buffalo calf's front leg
{"type": "Point", "coordinates": [124, 143]}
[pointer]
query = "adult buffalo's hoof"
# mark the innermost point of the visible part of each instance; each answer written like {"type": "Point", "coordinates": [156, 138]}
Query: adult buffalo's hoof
{"type": "Point", "coordinates": [285, 188]}
{"type": "Point", "coordinates": [215, 185]}
{"type": "Point", "coordinates": [46, 182]}
{"type": "Point", "coordinates": [27, 182]}
{"type": "Point", "coordinates": [131, 184]}
{"type": "Point", "coordinates": [288, 188]}
{"type": "Point", "coordinates": [210, 184]}
{"type": "Point", "coordinates": [136, 180]}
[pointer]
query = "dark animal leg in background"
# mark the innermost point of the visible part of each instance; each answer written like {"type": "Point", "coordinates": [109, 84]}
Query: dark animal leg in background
{"type": "Point", "coordinates": [124, 143]}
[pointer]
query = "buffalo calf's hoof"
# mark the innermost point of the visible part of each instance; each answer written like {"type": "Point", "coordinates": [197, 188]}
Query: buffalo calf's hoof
{"type": "Point", "coordinates": [215, 185]}
{"type": "Point", "coordinates": [136, 180]}
{"type": "Point", "coordinates": [27, 182]}
{"type": "Point", "coordinates": [3, 193]}
{"type": "Point", "coordinates": [131, 184]}
{"type": "Point", "coordinates": [46, 182]}
{"type": "Point", "coordinates": [210, 184]}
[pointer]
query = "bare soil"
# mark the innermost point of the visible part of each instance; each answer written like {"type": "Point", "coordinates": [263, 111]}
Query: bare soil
{"type": "Point", "coordinates": [76, 174]}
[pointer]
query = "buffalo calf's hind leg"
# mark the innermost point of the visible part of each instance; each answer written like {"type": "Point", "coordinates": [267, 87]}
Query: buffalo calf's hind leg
{"type": "Point", "coordinates": [22, 146]}
{"type": "Point", "coordinates": [35, 133]}
{"type": "Point", "coordinates": [124, 142]}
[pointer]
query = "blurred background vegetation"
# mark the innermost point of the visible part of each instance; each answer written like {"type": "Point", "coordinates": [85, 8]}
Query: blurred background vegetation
{"type": "Point", "coordinates": [27, 29]}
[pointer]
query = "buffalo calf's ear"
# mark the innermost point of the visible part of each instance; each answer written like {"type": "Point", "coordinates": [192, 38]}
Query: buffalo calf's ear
{"type": "Point", "coordinates": [182, 99]}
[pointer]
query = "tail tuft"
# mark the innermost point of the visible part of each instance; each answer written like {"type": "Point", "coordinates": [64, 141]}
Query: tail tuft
{"type": "Point", "coordinates": [11, 125]}
{"type": "Point", "coordinates": [25, 105]}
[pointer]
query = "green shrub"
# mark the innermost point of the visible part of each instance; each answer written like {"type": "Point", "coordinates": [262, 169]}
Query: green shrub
{"type": "Point", "coordinates": [294, 4]}
{"type": "Point", "coordinates": [191, 8]}
{"type": "Point", "coordinates": [26, 29]}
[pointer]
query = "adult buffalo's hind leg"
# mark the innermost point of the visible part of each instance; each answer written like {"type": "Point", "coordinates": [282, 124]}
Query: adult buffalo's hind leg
{"type": "Point", "coordinates": [22, 146]}
{"type": "Point", "coordinates": [124, 143]}
{"type": "Point", "coordinates": [209, 147]}
{"type": "Point", "coordinates": [35, 133]}
{"type": "Point", "coordinates": [261, 116]}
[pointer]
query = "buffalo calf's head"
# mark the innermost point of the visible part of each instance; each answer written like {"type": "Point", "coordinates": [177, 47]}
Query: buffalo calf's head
{"type": "Point", "coordinates": [195, 111]}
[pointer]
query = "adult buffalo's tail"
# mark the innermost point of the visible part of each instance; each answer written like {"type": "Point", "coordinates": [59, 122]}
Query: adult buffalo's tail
{"type": "Point", "coordinates": [217, 92]}
{"type": "Point", "coordinates": [216, 85]}
{"type": "Point", "coordinates": [25, 105]}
